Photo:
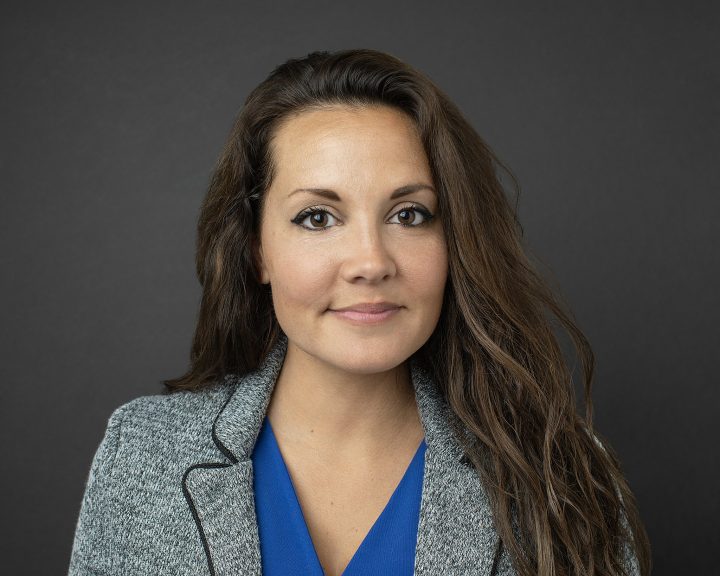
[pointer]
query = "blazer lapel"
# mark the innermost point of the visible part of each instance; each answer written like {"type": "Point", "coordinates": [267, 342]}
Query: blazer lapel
{"type": "Point", "coordinates": [220, 494]}
{"type": "Point", "coordinates": [456, 533]}
{"type": "Point", "coordinates": [220, 497]}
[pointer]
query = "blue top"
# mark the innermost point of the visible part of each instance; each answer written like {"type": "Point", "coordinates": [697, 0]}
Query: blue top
{"type": "Point", "coordinates": [285, 544]}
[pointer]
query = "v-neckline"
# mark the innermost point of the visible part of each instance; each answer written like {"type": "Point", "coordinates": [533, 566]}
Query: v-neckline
{"type": "Point", "coordinates": [420, 451]}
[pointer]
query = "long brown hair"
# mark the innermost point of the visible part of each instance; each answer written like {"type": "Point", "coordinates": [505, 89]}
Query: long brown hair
{"type": "Point", "coordinates": [561, 505]}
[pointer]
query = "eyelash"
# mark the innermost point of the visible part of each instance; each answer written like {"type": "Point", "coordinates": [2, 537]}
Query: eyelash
{"type": "Point", "coordinates": [428, 217]}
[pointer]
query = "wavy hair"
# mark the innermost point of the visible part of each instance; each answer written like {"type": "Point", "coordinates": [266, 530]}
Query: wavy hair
{"type": "Point", "coordinates": [560, 503]}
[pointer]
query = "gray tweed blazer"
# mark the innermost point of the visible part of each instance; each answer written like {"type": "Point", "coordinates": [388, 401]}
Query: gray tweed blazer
{"type": "Point", "coordinates": [170, 488]}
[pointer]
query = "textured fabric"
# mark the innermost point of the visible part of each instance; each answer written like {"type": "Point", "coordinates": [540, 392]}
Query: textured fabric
{"type": "Point", "coordinates": [285, 543]}
{"type": "Point", "coordinates": [170, 489]}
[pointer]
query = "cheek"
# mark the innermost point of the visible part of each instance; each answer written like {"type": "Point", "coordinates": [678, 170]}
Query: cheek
{"type": "Point", "coordinates": [299, 278]}
{"type": "Point", "coordinates": [426, 269]}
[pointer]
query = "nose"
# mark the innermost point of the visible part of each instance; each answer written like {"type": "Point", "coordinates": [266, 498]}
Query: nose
{"type": "Point", "coordinates": [367, 258]}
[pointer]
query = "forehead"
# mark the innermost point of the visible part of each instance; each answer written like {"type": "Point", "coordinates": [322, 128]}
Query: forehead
{"type": "Point", "coordinates": [335, 116]}
{"type": "Point", "coordinates": [340, 136]}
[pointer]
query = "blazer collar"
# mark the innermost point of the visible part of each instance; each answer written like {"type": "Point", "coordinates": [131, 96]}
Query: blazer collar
{"type": "Point", "coordinates": [455, 532]}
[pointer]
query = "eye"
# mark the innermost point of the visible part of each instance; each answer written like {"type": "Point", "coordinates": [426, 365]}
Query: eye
{"type": "Point", "coordinates": [316, 218]}
{"type": "Point", "coordinates": [413, 216]}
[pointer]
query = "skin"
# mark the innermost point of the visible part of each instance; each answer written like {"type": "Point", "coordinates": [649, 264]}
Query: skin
{"type": "Point", "coordinates": [343, 408]}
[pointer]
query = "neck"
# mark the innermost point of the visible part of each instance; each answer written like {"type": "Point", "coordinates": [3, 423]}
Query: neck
{"type": "Point", "coordinates": [335, 411]}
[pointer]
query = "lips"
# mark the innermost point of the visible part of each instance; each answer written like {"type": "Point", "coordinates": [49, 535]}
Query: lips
{"type": "Point", "coordinates": [367, 313]}
{"type": "Point", "coordinates": [368, 307]}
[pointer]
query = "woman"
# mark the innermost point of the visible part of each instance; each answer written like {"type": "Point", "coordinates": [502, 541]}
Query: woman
{"type": "Point", "coordinates": [375, 385]}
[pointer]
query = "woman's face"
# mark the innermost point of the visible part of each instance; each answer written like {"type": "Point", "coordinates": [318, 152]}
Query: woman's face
{"type": "Point", "coordinates": [350, 220]}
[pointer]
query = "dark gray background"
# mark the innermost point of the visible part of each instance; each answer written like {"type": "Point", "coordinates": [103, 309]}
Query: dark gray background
{"type": "Point", "coordinates": [114, 113]}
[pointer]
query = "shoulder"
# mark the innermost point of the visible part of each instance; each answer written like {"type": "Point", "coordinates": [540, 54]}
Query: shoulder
{"type": "Point", "coordinates": [152, 436]}
{"type": "Point", "coordinates": [164, 423]}
{"type": "Point", "coordinates": [149, 443]}
{"type": "Point", "coordinates": [173, 409]}
{"type": "Point", "coordinates": [134, 484]}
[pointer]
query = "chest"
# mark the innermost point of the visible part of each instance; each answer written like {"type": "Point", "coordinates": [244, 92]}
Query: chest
{"type": "Point", "coordinates": [341, 500]}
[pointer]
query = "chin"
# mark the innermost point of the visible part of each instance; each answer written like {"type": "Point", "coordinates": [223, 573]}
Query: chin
{"type": "Point", "coordinates": [370, 368]}
{"type": "Point", "coordinates": [358, 355]}
{"type": "Point", "coordinates": [367, 360]}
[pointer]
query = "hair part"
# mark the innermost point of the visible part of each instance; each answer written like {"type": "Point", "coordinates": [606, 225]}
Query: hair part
{"type": "Point", "coordinates": [560, 503]}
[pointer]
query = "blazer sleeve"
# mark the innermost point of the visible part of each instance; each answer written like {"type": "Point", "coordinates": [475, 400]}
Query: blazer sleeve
{"type": "Point", "coordinates": [630, 561]}
{"type": "Point", "coordinates": [632, 568]}
{"type": "Point", "coordinates": [92, 545]}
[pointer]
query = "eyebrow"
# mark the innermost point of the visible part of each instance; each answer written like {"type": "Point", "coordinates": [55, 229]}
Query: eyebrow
{"type": "Point", "coordinates": [332, 195]}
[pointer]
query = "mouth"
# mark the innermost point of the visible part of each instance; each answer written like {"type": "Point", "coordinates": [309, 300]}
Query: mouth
{"type": "Point", "coordinates": [368, 307]}
{"type": "Point", "coordinates": [367, 314]}
{"type": "Point", "coordinates": [356, 317]}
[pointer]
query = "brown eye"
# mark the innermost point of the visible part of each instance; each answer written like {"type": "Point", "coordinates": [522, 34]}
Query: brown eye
{"type": "Point", "coordinates": [406, 216]}
{"type": "Point", "coordinates": [412, 216]}
{"type": "Point", "coordinates": [314, 219]}
{"type": "Point", "coordinates": [319, 219]}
